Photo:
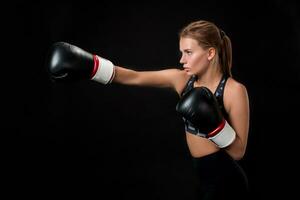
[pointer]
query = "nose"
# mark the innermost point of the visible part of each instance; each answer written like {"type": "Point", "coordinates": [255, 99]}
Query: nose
{"type": "Point", "coordinates": [182, 59]}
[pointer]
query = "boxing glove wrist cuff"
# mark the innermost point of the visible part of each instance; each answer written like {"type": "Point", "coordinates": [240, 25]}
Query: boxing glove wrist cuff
{"type": "Point", "coordinates": [104, 70]}
{"type": "Point", "coordinates": [225, 137]}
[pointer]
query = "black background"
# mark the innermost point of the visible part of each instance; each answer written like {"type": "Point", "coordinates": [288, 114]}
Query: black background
{"type": "Point", "coordinates": [87, 139]}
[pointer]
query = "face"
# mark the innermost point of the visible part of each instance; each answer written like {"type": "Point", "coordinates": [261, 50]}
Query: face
{"type": "Point", "coordinates": [194, 58]}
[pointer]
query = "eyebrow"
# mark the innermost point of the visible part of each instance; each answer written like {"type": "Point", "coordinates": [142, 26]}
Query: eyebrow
{"type": "Point", "coordinates": [185, 50]}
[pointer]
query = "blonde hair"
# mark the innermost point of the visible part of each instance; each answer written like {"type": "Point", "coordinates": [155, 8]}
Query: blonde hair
{"type": "Point", "coordinates": [209, 35]}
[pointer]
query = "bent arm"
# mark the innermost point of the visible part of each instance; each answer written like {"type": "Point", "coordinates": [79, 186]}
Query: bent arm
{"type": "Point", "coordinates": [162, 78]}
{"type": "Point", "coordinates": [239, 119]}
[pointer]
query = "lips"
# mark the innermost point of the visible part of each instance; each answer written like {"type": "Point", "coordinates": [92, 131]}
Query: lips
{"type": "Point", "coordinates": [186, 68]}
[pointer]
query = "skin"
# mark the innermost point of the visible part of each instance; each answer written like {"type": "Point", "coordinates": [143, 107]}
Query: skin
{"type": "Point", "coordinates": [196, 60]}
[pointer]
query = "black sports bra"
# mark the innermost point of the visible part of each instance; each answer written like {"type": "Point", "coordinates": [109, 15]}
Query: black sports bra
{"type": "Point", "coordinates": [189, 127]}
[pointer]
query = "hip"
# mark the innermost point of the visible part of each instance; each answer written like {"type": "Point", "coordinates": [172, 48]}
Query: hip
{"type": "Point", "coordinates": [219, 168]}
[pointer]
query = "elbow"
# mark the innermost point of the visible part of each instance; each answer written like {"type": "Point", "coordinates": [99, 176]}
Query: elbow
{"type": "Point", "coordinates": [237, 154]}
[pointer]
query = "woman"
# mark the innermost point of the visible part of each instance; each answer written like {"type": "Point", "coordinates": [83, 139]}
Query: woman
{"type": "Point", "coordinates": [206, 59]}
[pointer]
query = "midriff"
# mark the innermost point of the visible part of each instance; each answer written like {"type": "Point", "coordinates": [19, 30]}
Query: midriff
{"type": "Point", "coordinates": [200, 146]}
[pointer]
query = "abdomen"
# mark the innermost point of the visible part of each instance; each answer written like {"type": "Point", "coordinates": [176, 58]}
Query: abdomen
{"type": "Point", "coordinates": [199, 146]}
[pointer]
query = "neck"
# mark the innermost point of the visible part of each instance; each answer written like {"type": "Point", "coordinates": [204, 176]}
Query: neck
{"type": "Point", "coordinates": [210, 78]}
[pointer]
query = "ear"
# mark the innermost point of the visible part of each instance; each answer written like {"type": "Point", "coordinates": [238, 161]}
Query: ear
{"type": "Point", "coordinates": [211, 53]}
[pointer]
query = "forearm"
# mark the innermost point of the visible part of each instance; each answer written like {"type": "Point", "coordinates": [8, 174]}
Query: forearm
{"type": "Point", "coordinates": [237, 149]}
{"type": "Point", "coordinates": [125, 76]}
{"type": "Point", "coordinates": [161, 78]}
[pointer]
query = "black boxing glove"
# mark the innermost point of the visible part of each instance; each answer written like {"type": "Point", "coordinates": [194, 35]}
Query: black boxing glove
{"type": "Point", "coordinates": [66, 62]}
{"type": "Point", "coordinates": [199, 108]}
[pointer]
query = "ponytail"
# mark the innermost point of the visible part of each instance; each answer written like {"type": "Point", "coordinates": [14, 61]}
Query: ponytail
{"type": "Point", "coordinates": [225, 54]}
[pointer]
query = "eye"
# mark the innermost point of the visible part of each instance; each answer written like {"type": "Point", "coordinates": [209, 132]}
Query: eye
{"type": "Point", "coordinates": [189, 52]}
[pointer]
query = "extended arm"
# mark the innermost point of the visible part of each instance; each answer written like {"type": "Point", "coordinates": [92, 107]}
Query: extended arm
{"type": "Point", "coordinates": [67, 62]}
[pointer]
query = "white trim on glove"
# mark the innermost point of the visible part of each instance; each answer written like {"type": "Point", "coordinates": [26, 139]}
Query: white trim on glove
{"type": "Point", "coordinates": [105, 72]}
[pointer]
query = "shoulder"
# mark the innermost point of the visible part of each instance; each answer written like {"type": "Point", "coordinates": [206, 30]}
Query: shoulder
{"type": "Point", "coordinates": [235, 93]}
{"type": "Point", "coordinates": [234, 86]}
{"type": "Point", "coordinates": [179, 79]}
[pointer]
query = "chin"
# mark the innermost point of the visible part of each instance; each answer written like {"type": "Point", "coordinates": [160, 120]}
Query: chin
{"type": "Point", "coordinates": [189, 73]}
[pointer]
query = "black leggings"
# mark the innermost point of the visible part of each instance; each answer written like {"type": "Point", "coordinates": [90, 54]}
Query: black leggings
{"type": "Point", "coordinates": [220, 177]}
